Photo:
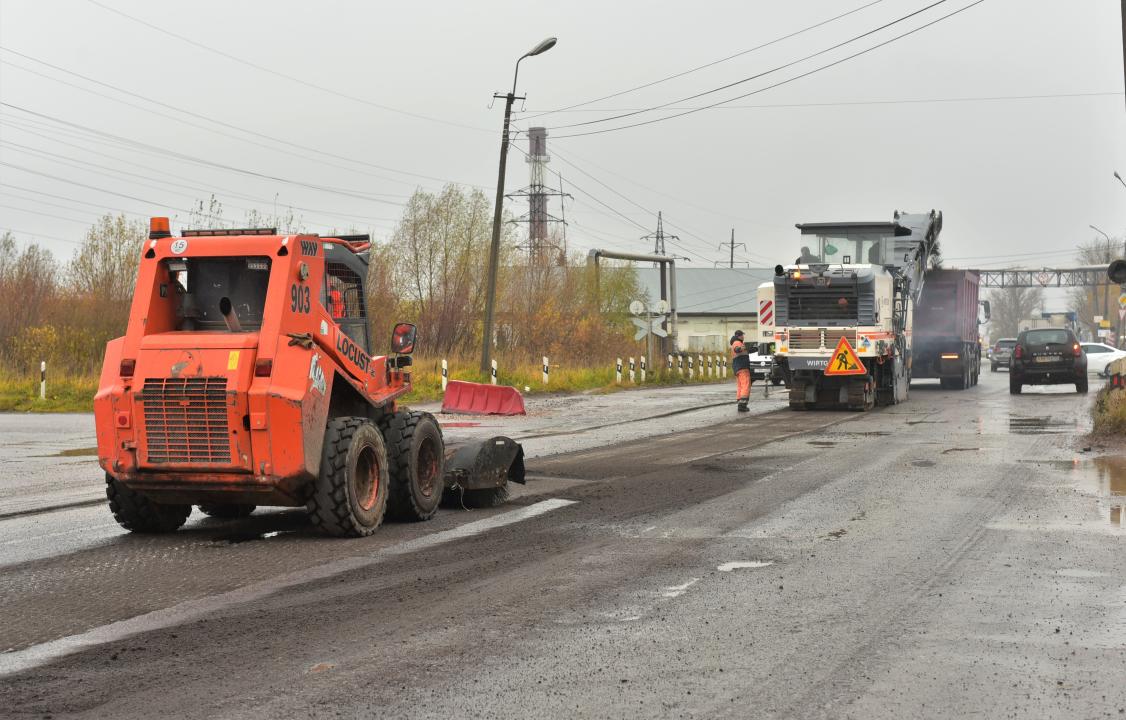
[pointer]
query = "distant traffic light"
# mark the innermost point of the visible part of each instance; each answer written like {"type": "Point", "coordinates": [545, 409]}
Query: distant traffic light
{"type": "Point", "coordinates": [1116, 271]}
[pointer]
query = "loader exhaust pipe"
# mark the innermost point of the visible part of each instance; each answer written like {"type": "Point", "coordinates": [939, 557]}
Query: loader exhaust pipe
{"type": "Point", "coordinates": [229, 315]}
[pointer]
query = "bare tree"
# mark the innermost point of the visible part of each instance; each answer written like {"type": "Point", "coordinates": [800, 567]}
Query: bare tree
{"type": "Point", "coordinates": [1102, 299]}
{"type": "Point", "coordinates": [28, 284]}
{"type": "Point", "coordinates": [1012, 307]}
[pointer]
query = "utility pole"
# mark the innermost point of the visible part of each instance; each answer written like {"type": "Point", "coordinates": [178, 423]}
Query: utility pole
{"type": "Point", "coordinates": [494, 246]}
{"type": "Point", "coordinates": [732, 245]}
{"type": "Point", "coordinates": [1123, 40]}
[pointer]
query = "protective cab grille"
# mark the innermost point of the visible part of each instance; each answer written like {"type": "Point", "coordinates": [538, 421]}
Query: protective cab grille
{"type": "Point", "coordinates": [823, 304]}
{"type": "Point", "coordinates": [805, 339]}
{"type": "Point", "coordinates": [186, 420]}
{"type": "Point", "coordinates": [815, 339]}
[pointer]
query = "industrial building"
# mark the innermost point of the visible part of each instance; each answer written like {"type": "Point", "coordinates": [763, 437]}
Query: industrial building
{"type": "Point", "coordinates": [712, 303]}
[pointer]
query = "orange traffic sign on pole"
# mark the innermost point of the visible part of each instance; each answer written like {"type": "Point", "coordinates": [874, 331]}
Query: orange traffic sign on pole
{"type": "Point", "coordinates": [844, 361]}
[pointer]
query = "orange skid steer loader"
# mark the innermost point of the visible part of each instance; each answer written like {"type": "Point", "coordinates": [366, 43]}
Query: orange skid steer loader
{"type": "Point", "coordinates": [246, 377]}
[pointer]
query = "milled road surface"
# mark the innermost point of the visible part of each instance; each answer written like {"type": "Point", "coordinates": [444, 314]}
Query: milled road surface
{"type": "Point", "coordinates": [959, 555]}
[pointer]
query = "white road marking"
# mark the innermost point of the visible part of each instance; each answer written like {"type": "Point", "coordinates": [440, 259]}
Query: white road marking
{"type": "Point", "coordinates": [678, 590]}
{"type": "Point", "coordinates": [729, 566]}
{"type": "Point", "coordinates": [191, 610]}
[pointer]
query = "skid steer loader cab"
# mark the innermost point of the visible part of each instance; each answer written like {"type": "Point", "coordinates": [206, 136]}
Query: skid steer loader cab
{"type": "Point", "coordinates": [248, 376]}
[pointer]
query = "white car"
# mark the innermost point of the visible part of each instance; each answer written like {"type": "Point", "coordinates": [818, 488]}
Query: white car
{"type": "Point", "coordinates": [1099, 355]}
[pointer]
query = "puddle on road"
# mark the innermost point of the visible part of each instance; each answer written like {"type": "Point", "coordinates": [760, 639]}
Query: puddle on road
{"type": "Point", "coordinates": [1104, 477]}
{"type": "Point", "coordinates": [729, 566]}
{"type": "Point", "coordinates": [1040, 425]}
{"type": "Point", "coordinates": [924, 463]}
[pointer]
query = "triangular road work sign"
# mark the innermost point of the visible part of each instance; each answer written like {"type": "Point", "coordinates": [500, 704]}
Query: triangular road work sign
{"type": "Point", "coordinates": [844, 361]}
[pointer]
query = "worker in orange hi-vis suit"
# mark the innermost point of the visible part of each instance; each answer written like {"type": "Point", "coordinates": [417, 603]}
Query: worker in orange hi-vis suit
{"type": "Point", "coordinates": [741, 364]}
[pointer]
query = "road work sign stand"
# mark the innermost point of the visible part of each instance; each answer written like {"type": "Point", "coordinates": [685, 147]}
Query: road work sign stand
{"type": "Point", "coordinates": [845, 361]}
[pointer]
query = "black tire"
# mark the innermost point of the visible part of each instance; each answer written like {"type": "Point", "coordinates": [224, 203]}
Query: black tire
{"type": "Point", "coordinates": [776, 382]}
{"type": "Point", "coordinates": [227, 511]}
{"type": "Point", "coordinates": [1081, 385]}
{"type": "Point", "coordinates": [416, 465]}
{"type": "Point", "coordinates": [350, 493]}
{"type": "Point", "coordinates": [992, 368]}
{"type": "Point", "coordinates": [475, 499]}
{"type": "Point", "coordinates": [1014, 385]}
{"type": "Point", "coordinates": [136, 513]}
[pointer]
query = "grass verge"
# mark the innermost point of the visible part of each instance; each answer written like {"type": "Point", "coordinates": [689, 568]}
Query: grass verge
{"type": "Point", "coordinates": [64, 394]}
{"type": "Point", "coordinates": [76, 393]}
{"type": "Point", "coordinates": [528, 379]}
{"type": "Point", "coordinates": [1109, 412]}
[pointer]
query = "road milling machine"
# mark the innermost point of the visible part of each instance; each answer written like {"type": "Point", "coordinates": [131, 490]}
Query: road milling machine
{"type": "Point", "coordinates": [842, 313]}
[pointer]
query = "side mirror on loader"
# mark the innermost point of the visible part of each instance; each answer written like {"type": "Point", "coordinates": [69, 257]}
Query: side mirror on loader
{"type": "Point", "coordinates": [986, 310]}
{"type": "Point", "coordinates": [402, 339]}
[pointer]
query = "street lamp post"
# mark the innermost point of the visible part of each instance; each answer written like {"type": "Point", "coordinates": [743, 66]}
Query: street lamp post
{"type": "Point", "coordinates": [494, 246]}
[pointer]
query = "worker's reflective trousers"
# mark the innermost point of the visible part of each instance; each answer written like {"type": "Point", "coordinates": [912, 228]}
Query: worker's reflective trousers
{"type": "Point", "coordinates": [743, 384]}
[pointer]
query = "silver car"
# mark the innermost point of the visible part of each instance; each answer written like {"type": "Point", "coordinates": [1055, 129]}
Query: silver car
{"type": "Point", "coordinates": [1002, 354]}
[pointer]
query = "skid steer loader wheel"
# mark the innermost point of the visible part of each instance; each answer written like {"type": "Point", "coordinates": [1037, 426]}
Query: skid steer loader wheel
{"type": "Point", "coordinates": [350, 494]}
{"type": "Point", "coordinates": [138, 514]}
{"type": "Point", "coordinates": [227, 511]}
{"type": "Point", "coordinates": [415, 460]}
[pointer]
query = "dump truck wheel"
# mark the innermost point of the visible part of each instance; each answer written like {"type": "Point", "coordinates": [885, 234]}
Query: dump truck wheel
{"type": "Point", "coordinates": [228, 511]}
{"type": "Point", "coordinates": [350, 493]}
{"type": "Point", "coordinates": [475, 499]}
{"type": "Point", "coordinates": [136, 513]}
{"type": "Point", "coordinates": [415, 460]}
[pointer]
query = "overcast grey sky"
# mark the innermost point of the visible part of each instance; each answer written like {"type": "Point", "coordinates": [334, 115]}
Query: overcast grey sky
{"type": "Point", "coordinates": [1019, 180]}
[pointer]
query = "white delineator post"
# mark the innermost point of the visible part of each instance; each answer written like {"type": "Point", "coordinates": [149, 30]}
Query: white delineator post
{"type": "Point", "coordinates": [618, 372]}
{"type": "Point", "coordinates": [493, 373]}
{"type": "Point", "coordinates": [690, 373]}
{"type": "Point", "coordinates": [669, 366]}
{"type": "Point", "coordinates": [700, 359]}
{"type": "Point", "coordinates": [445, 374]}
{"type": "Point", "coordinates": [43, 380]}
{"type": "Point", "coordinates": [680, 365]}
{"type": "Point", "coordinates": [643, 368]}
{"type": "Point", "coordinates": [545, 369]}
{"type": "Point", "coordinates": [632, 374]}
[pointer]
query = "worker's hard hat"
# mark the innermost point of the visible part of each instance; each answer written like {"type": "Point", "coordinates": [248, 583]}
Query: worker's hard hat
{"type": "Point", "coordinates": [738, 333]}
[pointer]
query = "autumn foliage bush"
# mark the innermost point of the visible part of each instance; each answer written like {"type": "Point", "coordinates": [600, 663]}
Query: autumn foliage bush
{"type": "Point", "coordinates": [431, 271]}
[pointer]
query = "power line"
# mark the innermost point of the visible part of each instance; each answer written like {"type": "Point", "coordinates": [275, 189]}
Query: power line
{"type": "Point", "coordinates": [291, 78]}
{"type": "Point", "coordinates": [40, 235]}
{"type": "Point", "coordinates": [209, 163]}
{"type": "Point", "coordinates": [53, 157]}
{"type": "Point", "coordinates": [50, 215]}
{"type": "Point", "coordinates": [903, 101]}
{"type": "Point", "coordinates": [780, 83]}
{"type": "Point", "coordinates": [707, 65]}
{"type": "Point", "coordinates": [756, 75]}
{"type": "Point", "coordinates": [206, 118]}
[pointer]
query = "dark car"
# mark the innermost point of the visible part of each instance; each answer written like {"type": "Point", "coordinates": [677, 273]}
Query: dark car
{"type": "Point", "coordinates": [1049, 356]}
{"type": "Point", "coordinates": [1002, 353]}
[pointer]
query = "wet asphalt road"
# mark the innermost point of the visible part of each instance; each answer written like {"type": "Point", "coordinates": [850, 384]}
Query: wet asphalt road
{"type": "Point", "coordinates": [960, 555]}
